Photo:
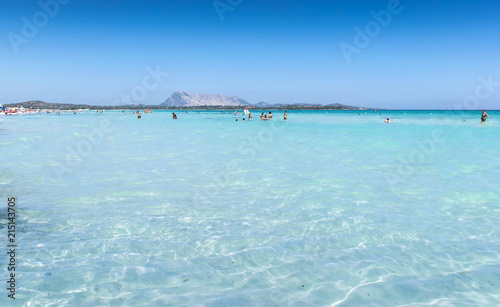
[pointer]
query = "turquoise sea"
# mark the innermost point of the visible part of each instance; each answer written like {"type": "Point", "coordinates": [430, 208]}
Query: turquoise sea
{"type": "Point", "coordinates": [329, 208]}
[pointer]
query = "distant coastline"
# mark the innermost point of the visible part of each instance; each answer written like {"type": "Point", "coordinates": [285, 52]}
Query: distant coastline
{"type": "Point", "coordinates": [37, 104]}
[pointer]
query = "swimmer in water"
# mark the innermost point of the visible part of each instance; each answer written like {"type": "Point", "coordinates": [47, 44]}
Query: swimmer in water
{"type": "Point", "coordinates": [139, 114]}
{"type": "Point", "coordinates": [484, 116]}
{"type": "Point", "coordinates": [250, 116]}
{"type": "Point", "coordinates": [270, 115]}
{"type": "Point", "coordinates": [285, 116]}
{"type": "Point", "coordinates": [387, 120]}
{"type": "Point", "coordinates": [174, 116]}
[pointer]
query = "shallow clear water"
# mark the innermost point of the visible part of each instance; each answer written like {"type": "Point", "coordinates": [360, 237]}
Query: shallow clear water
{"type": "Point", "coordinates": [328, 208]}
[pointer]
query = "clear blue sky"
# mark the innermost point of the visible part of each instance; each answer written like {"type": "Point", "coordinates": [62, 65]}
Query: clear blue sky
{"type": "Point", "coordinates": [429, 55]}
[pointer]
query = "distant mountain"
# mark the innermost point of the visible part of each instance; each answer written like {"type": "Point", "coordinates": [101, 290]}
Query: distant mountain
{"type": "Point", "coordinates": [263, 105]}
{"type": "Point", "coordinates": [185, 99]}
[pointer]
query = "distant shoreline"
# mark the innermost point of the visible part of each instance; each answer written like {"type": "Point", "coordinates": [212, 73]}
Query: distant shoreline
{"type": "Point", "coordinates": [67, 106]}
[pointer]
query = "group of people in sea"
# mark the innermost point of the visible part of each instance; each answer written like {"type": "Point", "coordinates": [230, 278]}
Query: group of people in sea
{"type": "Point", "coordinates": [21, 110]}
{"type": "Point", "coordinates": [262, 115]}
{"type": "Point", "coordinates": [266, 117]}
{"type": "Point", "coordinates": [139, 113]}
